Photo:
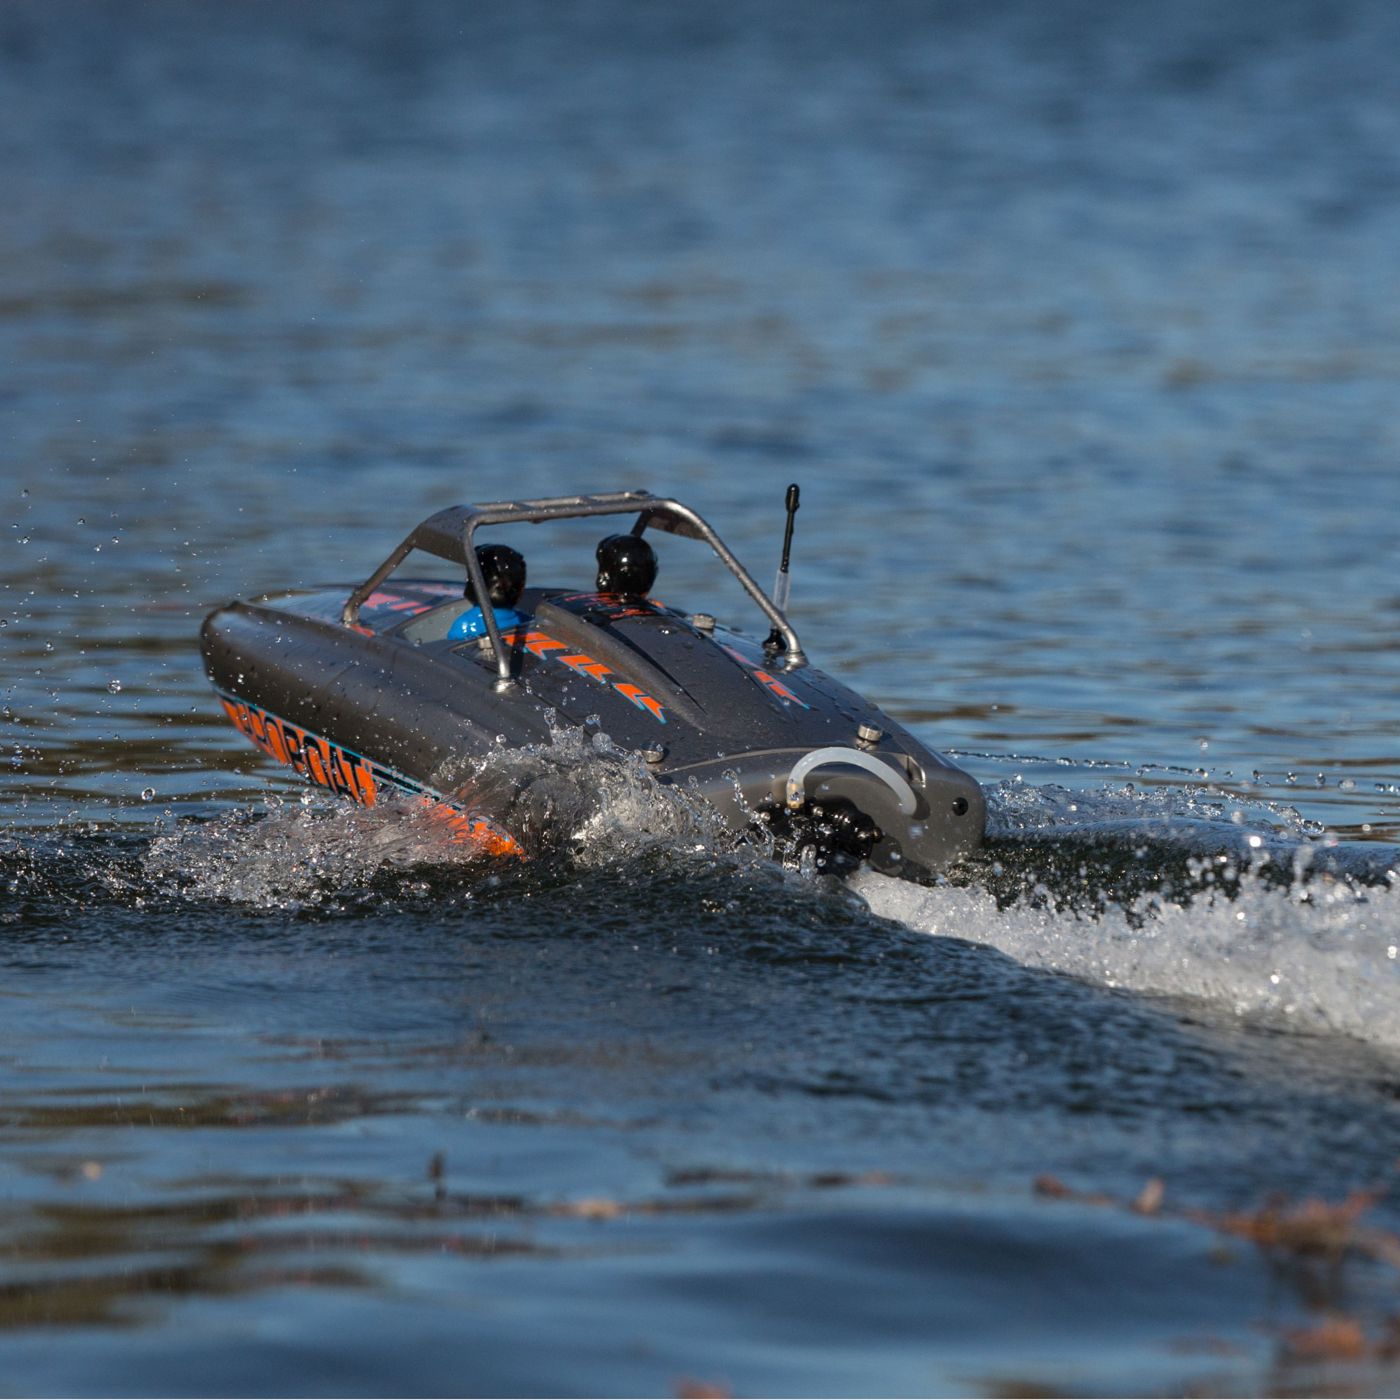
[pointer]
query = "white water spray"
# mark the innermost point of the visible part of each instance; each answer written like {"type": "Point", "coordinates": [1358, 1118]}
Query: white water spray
{"type": "Point", "coordinates": [1320, 957]}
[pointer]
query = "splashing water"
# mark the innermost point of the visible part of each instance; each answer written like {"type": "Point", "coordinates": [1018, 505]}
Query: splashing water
{"type": "Point", "coordinates": [291, 857]}
{"type": "Point", "coordinates": [575, 798]}
{"type": "Point", "coordinates": [580, 795]}
{"type": "Point", "coordinates": [1167, 891]}
{"type": "Point", "coordinates": [1017, 807]}
{"type": "Point", "coordinates": [1179, 892]}
{"type": "Point", "coordinates": [1323, 959]}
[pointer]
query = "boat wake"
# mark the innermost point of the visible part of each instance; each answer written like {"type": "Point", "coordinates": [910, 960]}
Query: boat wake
{"type": "Point", "coordinates": [1173, 891]}
{"type": "Point", "coordinates": [1320, 957]}
{"type": "Point", "coordinates": [1179, 892]}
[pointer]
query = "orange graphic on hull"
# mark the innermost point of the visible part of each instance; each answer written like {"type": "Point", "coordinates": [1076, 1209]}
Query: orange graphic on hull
{"type": "Point", "coordinates": [465, 829]}
{"type": "Point", "coordinates": [344, 772]}
{"type": "Point", "coordinates": [768, 682]}
{"type": "Point", "coordinates": [588, 666]}
{"type": "Point", "coordinates": [541, 644]}
{"type": "Point", "coordinates": [642, 701]}
{"type": "Point", "coordinates": [536, 642]}
{"type": "Point", "coordinates": [325, 764]}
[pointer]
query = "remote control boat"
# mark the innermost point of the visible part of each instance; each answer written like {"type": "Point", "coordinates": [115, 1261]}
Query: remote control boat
{"type": "Point", "coordinates": [390, 685]}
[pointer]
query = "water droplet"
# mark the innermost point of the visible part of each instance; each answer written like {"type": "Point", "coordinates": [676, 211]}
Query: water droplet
{"type": "Point", "coordinates": [147, 794]}
{"type": "Point", "coordinates": [114, 686]}
{"type": "Point", "coordinates": [25, 491]}
{"type": "Point", "coordinates": [1347, 785]}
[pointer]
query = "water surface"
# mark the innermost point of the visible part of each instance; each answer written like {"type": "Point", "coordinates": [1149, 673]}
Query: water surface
{"type": "Point", "coordinates": [1078, 327]}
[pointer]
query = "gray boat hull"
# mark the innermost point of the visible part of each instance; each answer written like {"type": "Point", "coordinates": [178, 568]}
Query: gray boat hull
{"type": "Point", "coordinates": [391, 701]}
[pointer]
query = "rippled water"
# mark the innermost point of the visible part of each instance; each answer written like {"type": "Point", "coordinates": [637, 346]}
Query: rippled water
{"type": "Point", "coordinates": [1078, 326]}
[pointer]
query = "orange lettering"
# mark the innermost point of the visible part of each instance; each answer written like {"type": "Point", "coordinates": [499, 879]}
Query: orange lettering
{"type": "Point", "coordinates": [364, 783]}
{"type": "Point", "coordinates": [276, 740]}
{"type": "Point", "coordinates": [315, 761]}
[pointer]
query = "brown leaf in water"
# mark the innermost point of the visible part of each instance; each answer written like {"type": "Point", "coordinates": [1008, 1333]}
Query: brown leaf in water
{"type": "Point", "coordinates": [591, 1208]}
{"type": "Point", "coordinates": [1149, 1199]}
{"type": "Point", "coordinates": [1388, 1347]}
{"type": "Point", "coordinates": [1056, 1190]}
{"type": "Point", "coordinates": [1310, 1227]}
{"type": "Point", "coordinates": [1334, 1339]}
{"type": "Point", "coordinates": [1382, 1246]}
{"type": "Point", "coordinates": [689, 1389]}
{"type": "Point", "coordinates": [827, 1180]}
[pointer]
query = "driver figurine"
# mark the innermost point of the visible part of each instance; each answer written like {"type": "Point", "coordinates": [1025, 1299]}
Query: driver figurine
{"type": "Point", "coordinates": [504, 571]}
{"type": "Point", "coordinates": [626, 566]}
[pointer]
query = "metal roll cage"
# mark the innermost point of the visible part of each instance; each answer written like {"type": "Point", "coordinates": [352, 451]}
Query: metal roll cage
{"type": "Point", "coordinates": [449, 535]}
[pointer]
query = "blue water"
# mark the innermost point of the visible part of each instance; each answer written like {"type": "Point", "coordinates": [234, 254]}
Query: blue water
{"type": "Point", "coordinates": [1078, 326]}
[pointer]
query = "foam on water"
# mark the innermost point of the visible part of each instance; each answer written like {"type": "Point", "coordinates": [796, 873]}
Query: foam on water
{"type": "Point", "coordinates": [1182, 890]}
{"type": "Point", "coordinates": [1316, 955]}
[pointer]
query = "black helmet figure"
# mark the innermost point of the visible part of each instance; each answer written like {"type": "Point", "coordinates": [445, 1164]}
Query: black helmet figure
{"type": "Point", "coordinates": [504, 571]}
{"type": "Point", "coordinates": [626, 565]}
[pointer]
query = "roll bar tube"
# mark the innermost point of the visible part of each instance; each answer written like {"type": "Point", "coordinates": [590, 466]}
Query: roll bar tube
{"type": "Point", "coordinates": [450, 533]}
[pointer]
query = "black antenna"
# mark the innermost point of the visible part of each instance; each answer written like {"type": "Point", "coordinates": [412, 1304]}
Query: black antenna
{"type": "Point", "coordinates": [783, 583]}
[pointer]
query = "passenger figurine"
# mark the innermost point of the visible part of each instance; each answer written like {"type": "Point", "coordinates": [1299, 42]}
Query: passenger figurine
{"type": "Point", "coordinates": [626, 566]}
{"type": "Point", "coordinates": [504, 571]}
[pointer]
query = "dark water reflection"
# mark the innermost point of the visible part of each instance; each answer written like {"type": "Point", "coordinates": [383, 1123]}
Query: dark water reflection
{"type": "Point", "coordinates": [547, 1131]}
{"type": "Point", "coordinates": [1078, 326]}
